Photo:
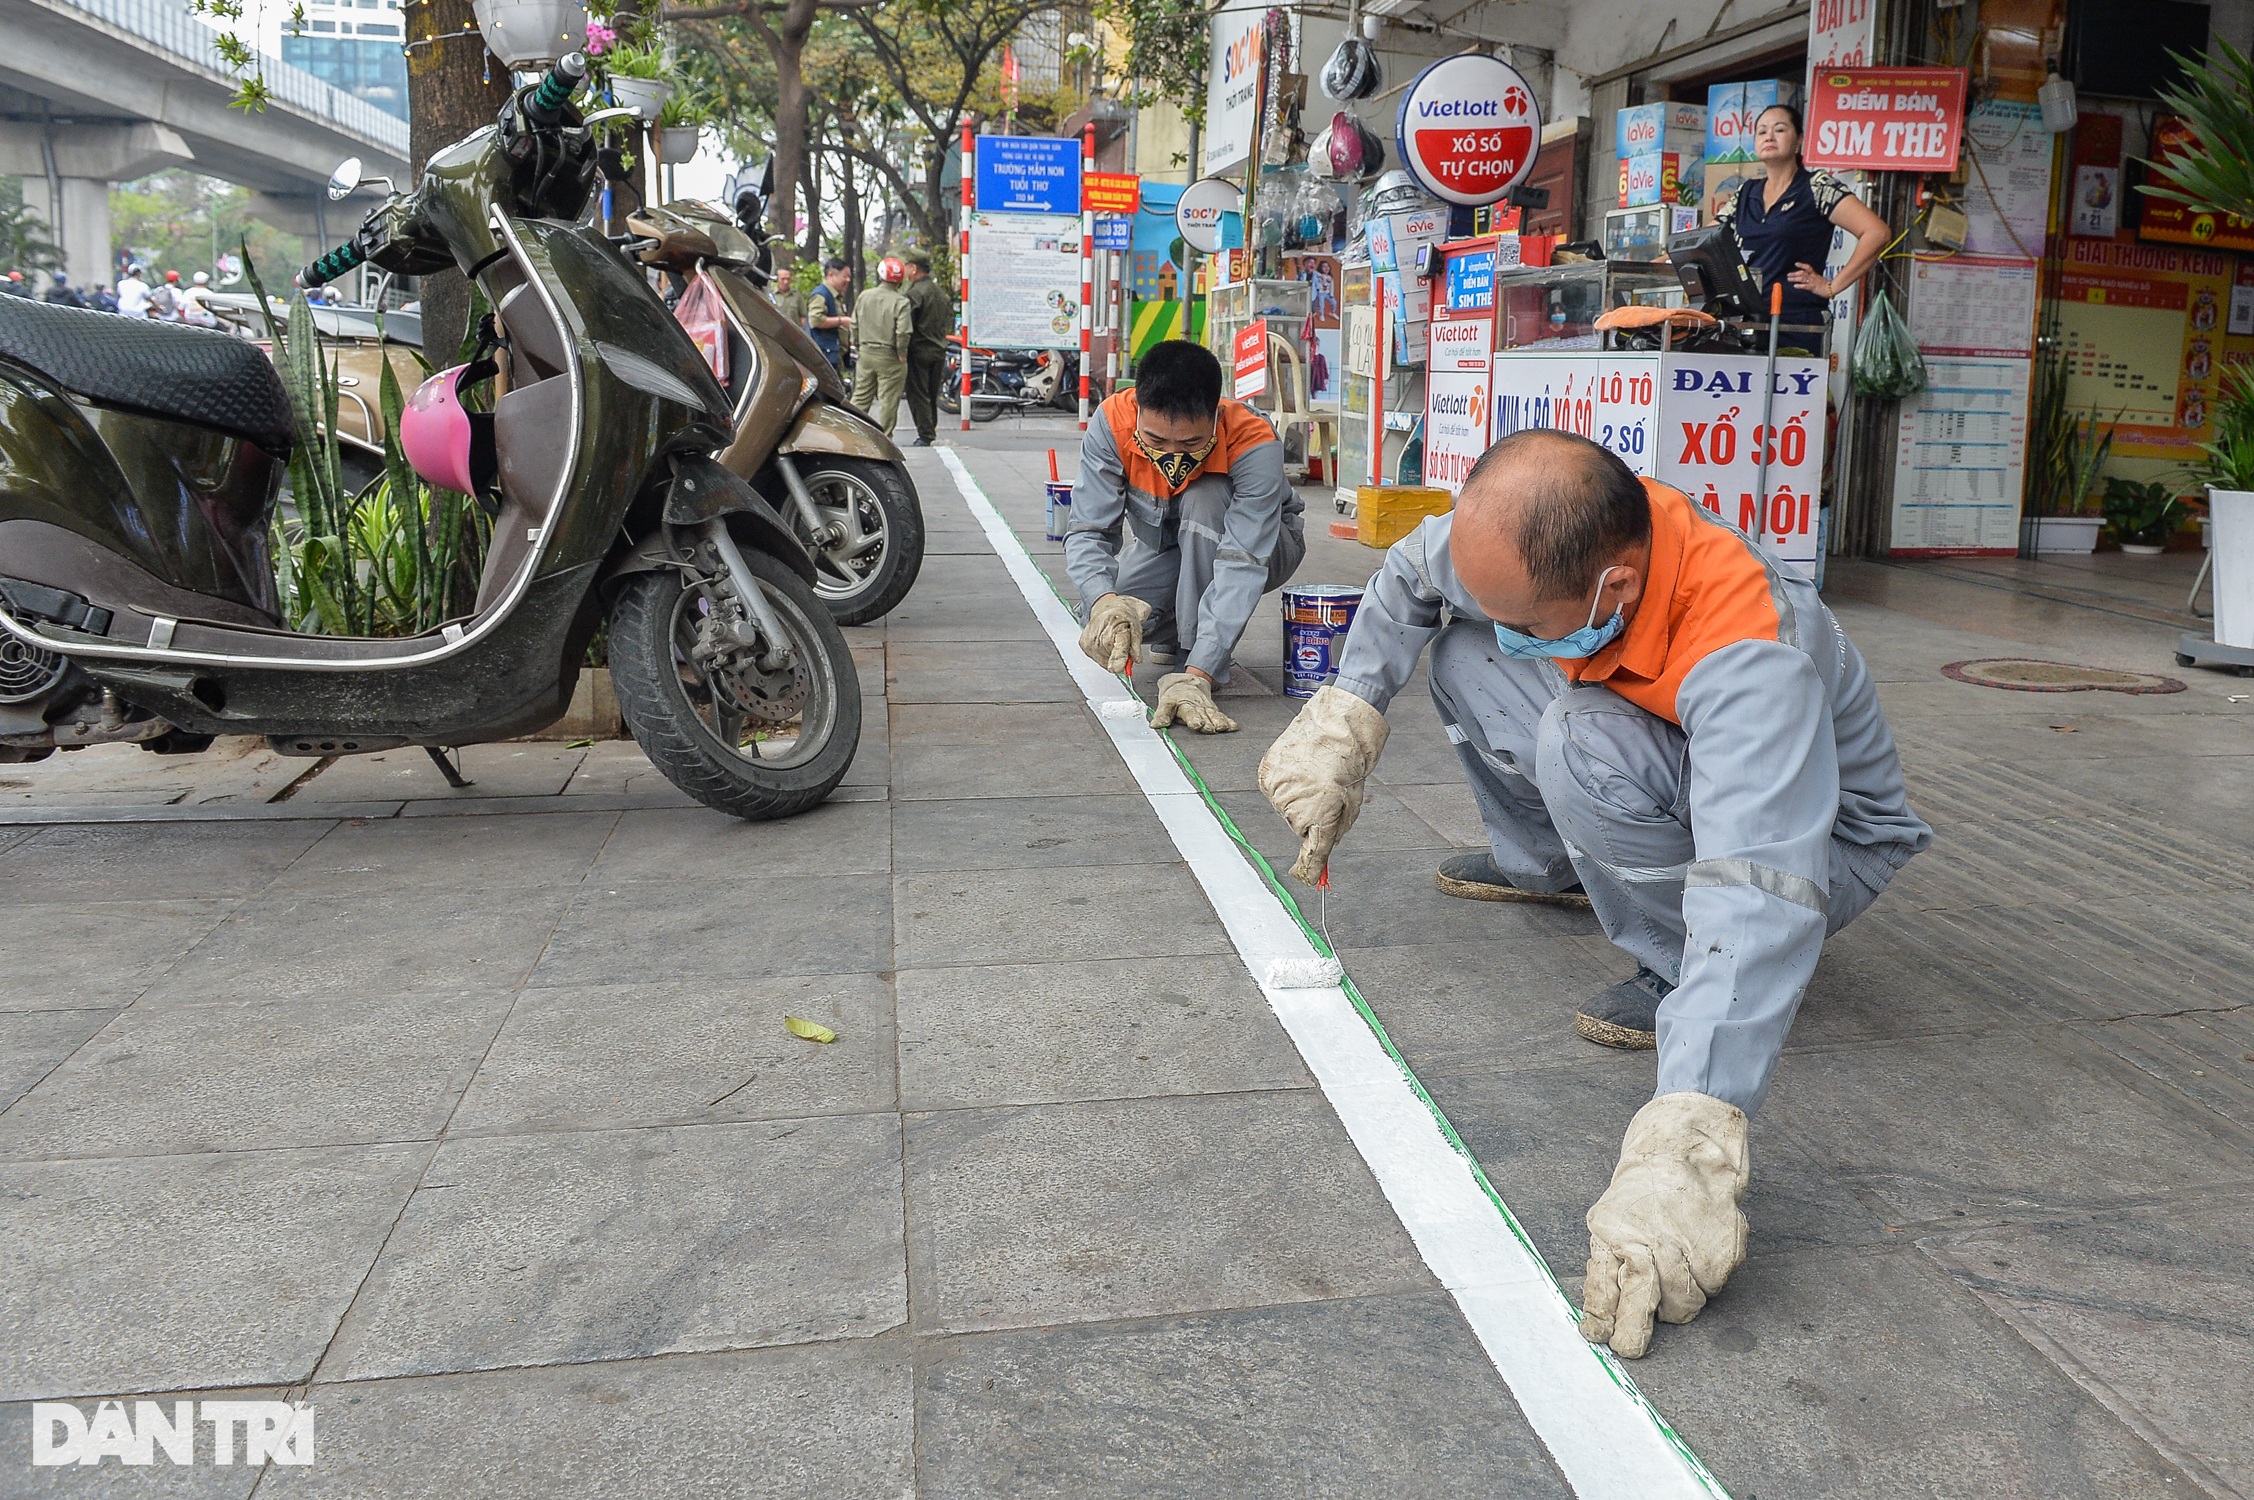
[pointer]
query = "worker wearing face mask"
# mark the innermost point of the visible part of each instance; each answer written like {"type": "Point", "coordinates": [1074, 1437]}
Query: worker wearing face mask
{"type": "Point", "coordinates": [1663, 725]}
{"type": "Point", "coordinates": [1181, 520]}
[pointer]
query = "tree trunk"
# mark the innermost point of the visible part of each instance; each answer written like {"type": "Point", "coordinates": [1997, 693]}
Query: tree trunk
{"type": "Point", "coordinates": [856, 233]}
{"type": "Point", "coordinates": [813, 207]}
{"type": "Point", "coordinates": [790, 32]}
{"type": "Point", "coordinates": [449, 95]}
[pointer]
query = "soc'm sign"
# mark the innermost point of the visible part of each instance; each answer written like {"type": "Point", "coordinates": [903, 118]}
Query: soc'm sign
{"type": "Point", "coordinates": [1469, 129]}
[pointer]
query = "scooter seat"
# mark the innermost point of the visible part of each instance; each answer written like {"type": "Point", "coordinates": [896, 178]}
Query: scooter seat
{"type": "Point", "coordinates": [192, 375]}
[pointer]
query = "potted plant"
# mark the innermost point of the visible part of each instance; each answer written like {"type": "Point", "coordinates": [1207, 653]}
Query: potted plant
{"type": "Point", "coordinates": [2068, 450]}
{"type": "Point", "coordinates": [2226, 466]}
{"type": "Point", "coordinates": [682, 118]}
{"type": "Point", "coordinates": [2141, 513]}
{"type": "Point", "coordinates": [641, 76]}
{"type": "Point", "coordinates": [526, 34]}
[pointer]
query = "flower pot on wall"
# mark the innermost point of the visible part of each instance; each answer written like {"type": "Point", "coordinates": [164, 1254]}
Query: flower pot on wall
{"type": "Point", "coordinates": [2072, 536]}
{"type": "Point", "coordinates": [2142, 549]}
{"type": "Point", "coordinates": [527, 33]}
{"type": "Point", "coordinates": [680, 143]}
{"type": "Point", "coordinates": [644, 96]}
{"type": "Point", "coordinates": [2230, 540]}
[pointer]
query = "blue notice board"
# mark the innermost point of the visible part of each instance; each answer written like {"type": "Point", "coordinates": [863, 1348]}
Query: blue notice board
{"type": "Point", "coordinates": [1471, 281]}
{"type": "Point", "coordinates": [1114, 231]}
{"type": "Point", "coordinates": [1027, 174]}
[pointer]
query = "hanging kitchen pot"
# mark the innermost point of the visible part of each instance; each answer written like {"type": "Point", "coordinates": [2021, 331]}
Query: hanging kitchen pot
{"type": "Point", "coordinates": [528, 34]}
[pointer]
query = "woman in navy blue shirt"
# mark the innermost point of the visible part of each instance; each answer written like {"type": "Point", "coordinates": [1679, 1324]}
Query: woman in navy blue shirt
{"type": "Point", "coordinates": [1783, 221]}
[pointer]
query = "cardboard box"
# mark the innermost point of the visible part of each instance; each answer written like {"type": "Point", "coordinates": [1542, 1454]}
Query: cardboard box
{"type": "Point", "coordinates": [1660, 177]}
{"type": "Point", "coordinates": [1385, 513]}
{"type": "Point", "coordinates": [1645, 128]}
{"type": "Point", "coordinates": [1720, 182]}
{"type": "Point", "coordinates": [1731, 109]}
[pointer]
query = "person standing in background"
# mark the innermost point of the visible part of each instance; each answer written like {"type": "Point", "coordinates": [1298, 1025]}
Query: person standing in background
{"type": "Point", "coordinates": [826, 317]}
{"type": "Point", "coordinates": [884, 328]}
{"type": "Point", "coordinates": [1783, 221]}
{"type": "Point", "coordinates": [927, 353]}
{"type": "Point", "coordinates": [789, 298]}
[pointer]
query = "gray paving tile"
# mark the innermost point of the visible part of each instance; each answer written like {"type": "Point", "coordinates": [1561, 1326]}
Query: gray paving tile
{"type": "Point", "coordinates": [1378, 896]}
{"type": "Point", "coordinates": [33, 1043]}
{"type": "Point", "coordinates": [177, 1272]}
{"type": "Point", "coordinates": [978, 672]}
{"type": "Point", "coordinates": [1995, 1122]}
{"type": "Point", "coordinates": [1499, 1005]}
{"type": "Point", "coordinates": [2146, 1309]}
{"type": "Point", "coordinates": [2143, 954]}
{"type": "Point", "coordinates": [1384, 824]}
{"type": "Point", "coordinates": [1446, 807]}
{"type": "Point", "coordinates": [837, 838]}
{"type": "Point", "coordinates": [509, 769]}
{"type": "Point", "coordinates": [598, 1245]}
{"type": "Point", "coordinates": [1087, 1212]}
{"type": "Point", "coordinates": [203, 1479]}
{"type": "Point", "coordinates": [475, 852]}
{"type": "Point", "coordinates": [152, 861]}
{"type": "Point", "coordinates": [259, 1074]}
{"type": "Point", "coordinates": [819, 1421]}
{"type": "Point", "coordinates": [386, 941]}
{"type": "Point", "coordinates": [1002, 750]}
{"type": "Point", "coordinates": [641, 930]}
{"type": "Point", "coordinates": [1036, 916]}
{"type": "Point", "coordinates": [1884, 976]}
{"type": "Point", "coordinates": [1372, 1397]}
{"type": "Point", "coordinates": [670, 1053]}
{"type": "Point", "coordinates": [1043, 1033]}
{"type": "Point", "coordinates": [1866, 1374]}
{"type": "Point", "coordinates": [2207, 1055]}
{"type": "Point", "coordinates": [977, 833]}
{"type": "Point", "coordinates": [94, 953]}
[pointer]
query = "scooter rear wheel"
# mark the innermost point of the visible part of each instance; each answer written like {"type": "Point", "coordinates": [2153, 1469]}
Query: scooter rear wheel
{"type": "Point", "coordinates": [752, 744]}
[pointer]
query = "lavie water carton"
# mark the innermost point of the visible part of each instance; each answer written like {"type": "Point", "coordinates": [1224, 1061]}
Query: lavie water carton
{"type": "Point", "coordinates": [1647, 128]}
{"type": "Point", "coordinates": [1660, 177]}
{"type": "Point", "coordinates": [1731, 109]}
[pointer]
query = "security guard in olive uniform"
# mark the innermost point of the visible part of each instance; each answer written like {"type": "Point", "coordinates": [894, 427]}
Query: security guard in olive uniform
{"type": "Point", "coordinates": [927, 353]}
{"type": "Point", "coordinates": [883, 329]}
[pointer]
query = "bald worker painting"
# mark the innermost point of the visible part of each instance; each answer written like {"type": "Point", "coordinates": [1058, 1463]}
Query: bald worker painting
{"type": "Point", "coordinates": [1661, 725]}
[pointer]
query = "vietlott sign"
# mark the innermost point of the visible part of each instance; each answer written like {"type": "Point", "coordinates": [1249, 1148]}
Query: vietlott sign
{"type": "Point", "coordinates": [1469, 129]}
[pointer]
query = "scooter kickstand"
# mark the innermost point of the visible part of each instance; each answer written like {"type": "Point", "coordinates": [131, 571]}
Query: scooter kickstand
{"type": "Point", "coordinates": [447, 768]}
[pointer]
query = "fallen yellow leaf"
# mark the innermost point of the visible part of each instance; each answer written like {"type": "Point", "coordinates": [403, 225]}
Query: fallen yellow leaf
{"type": "Point", "coordinates": [813, 1031]}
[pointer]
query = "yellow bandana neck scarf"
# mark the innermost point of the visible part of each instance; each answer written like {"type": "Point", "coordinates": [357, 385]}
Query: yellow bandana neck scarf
{"type": "Point", "coordinates": [1175, 468]}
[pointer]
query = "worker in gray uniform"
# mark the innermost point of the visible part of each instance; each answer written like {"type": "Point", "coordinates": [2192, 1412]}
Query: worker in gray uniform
{"type": "Point", "coordinates": [1181, 520]}
{"type": "Point", "coordinates": [1659, 723]}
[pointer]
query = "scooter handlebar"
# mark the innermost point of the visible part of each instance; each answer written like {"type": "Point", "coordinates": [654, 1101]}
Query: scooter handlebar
{"type": "Point", "coordinates": [546, 106]}
{"type": "Point", "coordinates": [332, 265]}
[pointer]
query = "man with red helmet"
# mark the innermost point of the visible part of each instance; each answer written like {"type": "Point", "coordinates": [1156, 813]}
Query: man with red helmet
{"type": "Point", "coordinates": [884, 325]}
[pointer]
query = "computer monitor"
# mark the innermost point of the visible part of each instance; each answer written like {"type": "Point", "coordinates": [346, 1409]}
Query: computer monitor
{"type": "Point", "coordinates": [1713, 272]}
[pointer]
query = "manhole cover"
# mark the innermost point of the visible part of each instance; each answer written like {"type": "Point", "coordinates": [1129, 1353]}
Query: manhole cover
{"type": "Point", "coordinates": [2024, 675]}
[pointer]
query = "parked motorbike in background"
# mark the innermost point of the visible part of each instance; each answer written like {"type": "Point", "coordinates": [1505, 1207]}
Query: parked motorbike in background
{"type": "Point", "coordinates": [139, 465]}
{"type": "Point", "coordinates": [797, 437]}
{"type": "Point", "coordinates": [1011, 380]}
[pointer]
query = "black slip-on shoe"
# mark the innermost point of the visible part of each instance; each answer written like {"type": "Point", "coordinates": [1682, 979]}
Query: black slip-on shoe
{"type": "Point", "coordinates": [1626, 1015]}
{"type": "Point", "coordinates": [1475, 878]}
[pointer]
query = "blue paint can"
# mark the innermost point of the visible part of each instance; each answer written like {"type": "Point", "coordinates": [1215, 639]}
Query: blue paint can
{"type": "Point", "coordinates": [1316, 618]}
{"type": "Point", "coordinates": [1060, 509]}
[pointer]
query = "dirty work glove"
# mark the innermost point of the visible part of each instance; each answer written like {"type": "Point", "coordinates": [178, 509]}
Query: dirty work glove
{"type": "Point", "coordinates": [1187, 699]}
{"type": "Point", "coordinates": [1313, 773]}
{"type": "Point", "coordinates": [1666, 1235]}
{"type": "Point", "coordinates": [1113, 636]}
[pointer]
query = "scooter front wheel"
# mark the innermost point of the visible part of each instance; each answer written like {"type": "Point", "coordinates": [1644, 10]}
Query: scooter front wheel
{"type": "Point", "coordinates": [755, 741]}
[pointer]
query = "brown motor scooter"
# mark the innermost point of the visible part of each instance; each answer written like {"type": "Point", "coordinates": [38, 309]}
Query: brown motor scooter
{"type": "Point", "coordinates": [799, 439]}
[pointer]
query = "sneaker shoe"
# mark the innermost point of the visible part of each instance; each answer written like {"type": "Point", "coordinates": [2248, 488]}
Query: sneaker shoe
{"type": "Point", "coordinates": [922, 442]}
{"type": "Point", "coordinates": [1626, 1015]}
{"type": "Point", "coordinates": [1475, 878]}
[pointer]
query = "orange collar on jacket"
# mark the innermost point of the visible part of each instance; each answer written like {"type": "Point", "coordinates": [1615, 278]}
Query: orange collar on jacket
{"type": "Point", "coordinates": [1238, 430]}
{"type": "Point", "coordinates": [1707, 588]}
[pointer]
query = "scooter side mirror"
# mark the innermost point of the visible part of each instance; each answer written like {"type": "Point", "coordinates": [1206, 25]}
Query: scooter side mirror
{"type": "Point", "coordinates": [344, 179]}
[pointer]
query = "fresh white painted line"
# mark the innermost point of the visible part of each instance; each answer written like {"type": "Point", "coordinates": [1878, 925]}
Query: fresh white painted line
{"type": "Point", "coordinates": [1605, 1437]}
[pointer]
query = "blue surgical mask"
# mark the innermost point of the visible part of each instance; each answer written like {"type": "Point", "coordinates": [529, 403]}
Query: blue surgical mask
{"type": "Point", "coordinates": [1587, 641]}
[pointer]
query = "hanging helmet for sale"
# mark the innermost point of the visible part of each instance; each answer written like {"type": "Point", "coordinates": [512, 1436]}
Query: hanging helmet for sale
{"type": "Point", "coordinates": [1352, 72]}
{"type": "Point", "coordinates": [891, 269]}
{"type": "Point", "coordinates": [1318, 156]}
{"type": "Point", "coordinates": [1395, 193]}
{"type": "Point", "coordinates": [1355, 151]}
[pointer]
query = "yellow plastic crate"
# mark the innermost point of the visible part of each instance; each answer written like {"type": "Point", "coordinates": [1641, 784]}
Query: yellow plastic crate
{"type": "Point", "coordinates": [1385, 513]}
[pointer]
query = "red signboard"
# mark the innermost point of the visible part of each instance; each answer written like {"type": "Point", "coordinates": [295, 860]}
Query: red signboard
{"type": "Point", "coordinates": [2177, 223]}
{"type": "Point", "coordinates": [1251, 351]}
{"type": "Point", "coordinates": [1885, 119]}
{"type": "Point", "coordinates": [1112, 192]}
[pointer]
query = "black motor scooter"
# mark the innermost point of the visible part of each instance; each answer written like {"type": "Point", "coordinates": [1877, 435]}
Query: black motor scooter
{"type": "Point", "coordinates": [139, 465]}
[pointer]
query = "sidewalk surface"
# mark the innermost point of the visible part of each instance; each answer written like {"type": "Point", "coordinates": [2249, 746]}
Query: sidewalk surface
{"type": "Point", "coordinates": [470, 1117]}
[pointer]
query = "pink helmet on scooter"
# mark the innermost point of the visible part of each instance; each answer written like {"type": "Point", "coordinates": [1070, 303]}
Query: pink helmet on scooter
{"type": "Point", "coordinates": [445, 442]}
